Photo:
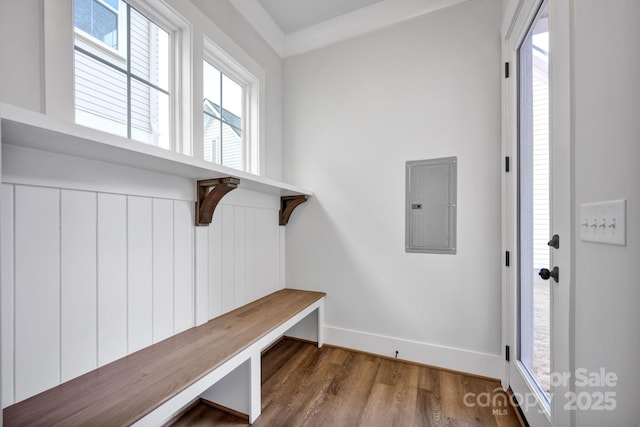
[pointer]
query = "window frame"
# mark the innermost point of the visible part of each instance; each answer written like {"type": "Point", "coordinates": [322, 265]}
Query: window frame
{"type": "Point", "coordinates": [243, 116]}
{"type": "Point", "coordinates": [220, 60]}
{"type": "Point", "coordinates": [180, 60]}
{"type": "Point", "coordinates": [191, 28]}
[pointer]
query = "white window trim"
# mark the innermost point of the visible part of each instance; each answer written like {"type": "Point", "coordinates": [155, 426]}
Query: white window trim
{"type": "Point", "coordinates": [219, 59]}
{"type": "Point", "coordinates": [59, 98]}
{"type": "Point", "coordinates": [180, 61]}
{"type": "Point", "coordinates": [189, 29]}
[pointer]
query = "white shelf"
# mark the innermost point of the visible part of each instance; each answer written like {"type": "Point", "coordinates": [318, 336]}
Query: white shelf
{"type": "Point", "coordinates": [25, 128]}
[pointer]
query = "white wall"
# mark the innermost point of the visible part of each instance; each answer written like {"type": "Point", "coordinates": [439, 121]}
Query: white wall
{"type": "Point", "coordinates": [20, 46]}
{"type": "Point", "coordinates": [355, 112]}
{"type": "Point", "coordinates": [607, 153]}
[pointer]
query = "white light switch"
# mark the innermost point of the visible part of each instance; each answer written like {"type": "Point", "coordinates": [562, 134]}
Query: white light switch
{"type": "Point", "coordinates": [604, 222]}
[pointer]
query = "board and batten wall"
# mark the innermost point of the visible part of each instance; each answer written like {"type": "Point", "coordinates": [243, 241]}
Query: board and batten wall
{"type": "Point", "coordinates": [99, 261]}
{"type": "Point", "coordinates": [356, 112]}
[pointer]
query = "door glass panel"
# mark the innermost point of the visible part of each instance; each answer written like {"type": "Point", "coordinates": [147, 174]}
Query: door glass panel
{"type": "Point", "coordinates": [534, 206]}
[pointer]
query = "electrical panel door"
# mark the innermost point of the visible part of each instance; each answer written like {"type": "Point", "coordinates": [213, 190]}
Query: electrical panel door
{"type": "Point", "coordinates": [431, 206]}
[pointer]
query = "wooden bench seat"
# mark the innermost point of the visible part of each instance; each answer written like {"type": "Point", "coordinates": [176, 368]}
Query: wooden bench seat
{"type": "Point", "coordinates": [147, 387]}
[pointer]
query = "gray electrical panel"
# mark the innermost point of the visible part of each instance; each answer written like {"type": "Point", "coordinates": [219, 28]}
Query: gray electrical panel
{"type": "Point", "coordinates": [431, 206]}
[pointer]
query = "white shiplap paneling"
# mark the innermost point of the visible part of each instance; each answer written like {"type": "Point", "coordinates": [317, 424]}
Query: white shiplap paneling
{"type": "Point", "coordinates": [37, 289]}
{"type": "Point", "coordinates": [112, 277]}
{"type": "Point", "coordinates": [214, 232]}
{"type": "Point", "coordinates": [78, 285]}
{"type": "Point", "coordinates": [239, 256]}
{"type": "Point", "coordinates": [229, 242]}
{"type": "Point", "coordinates": [243, 253]}
{"type": "Point", "coordinates": [162, 269]}
{"type": "Point", "coordinates": [267, 265]}
{"type": "Point", "coordinates": [250, 274]}
{"type": "Point", "coordinates": [201, 275]}
{"type": "Point", "coordinates": [116, 272]}
{"type": "Point", "coordinates": [183, 266]}
{"type": "Point", "coordinates": [139, 273]}
{"type": "Point", "coordinates": [7, 292]}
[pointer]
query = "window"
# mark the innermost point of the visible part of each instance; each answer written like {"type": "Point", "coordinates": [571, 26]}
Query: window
{"type": "Point", "coordinates": [223, 107]}
{"type": "Point", "coordinates": [534, 205]}
{"type": "Point", "coordinates": [231, 110]}
{"type": "Point", "coordinates": [133, 67]}
{"type": "Point", "coordinates": [122, 72]}
{"type": "Point", "coordinates": [99, 19]}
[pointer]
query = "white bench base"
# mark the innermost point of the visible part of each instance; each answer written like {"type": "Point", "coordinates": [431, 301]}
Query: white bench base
{"type": "Point", "coordinates": [236, 384]}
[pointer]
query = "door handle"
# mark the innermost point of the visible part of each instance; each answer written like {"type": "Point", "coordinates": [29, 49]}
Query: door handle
{"type": "Point", "coordinates": [545, 274]}
{"type": "Point", "coordinates": [554, 242]}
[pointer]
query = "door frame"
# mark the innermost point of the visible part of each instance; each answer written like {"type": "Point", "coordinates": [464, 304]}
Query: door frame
{"type": "Point", "coordinates": [518, 16]}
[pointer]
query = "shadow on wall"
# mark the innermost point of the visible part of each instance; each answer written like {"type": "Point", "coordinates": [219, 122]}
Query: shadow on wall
{"type": "Point", "coordinates": [347, 275]}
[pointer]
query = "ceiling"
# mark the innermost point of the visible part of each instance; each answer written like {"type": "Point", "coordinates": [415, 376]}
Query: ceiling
{"type": "Point", "coordinates": [292, 27]}
{"type": "Point", "coordinates": [294, 15]}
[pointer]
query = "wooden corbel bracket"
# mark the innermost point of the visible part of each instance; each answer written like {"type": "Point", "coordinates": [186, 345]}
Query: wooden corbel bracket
{"type": "Point", "coordinates": [287, 205]}
{"type": "Point", "coordinates": [207, 200]}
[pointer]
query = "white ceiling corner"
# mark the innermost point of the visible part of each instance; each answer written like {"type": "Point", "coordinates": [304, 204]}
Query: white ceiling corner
{"type": "Point", "coordinates": [376, 14]}
{"type": "Point", "coordinates": [294, 15]}
{"type": "Point", "coordinates": [260, 19]}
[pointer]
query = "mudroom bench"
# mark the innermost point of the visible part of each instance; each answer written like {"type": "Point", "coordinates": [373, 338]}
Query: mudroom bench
{"type": "Point", "coordinates": [218, 361]}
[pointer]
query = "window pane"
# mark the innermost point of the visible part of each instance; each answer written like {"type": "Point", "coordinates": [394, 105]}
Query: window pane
{"type": "Point", "coordinates": [101, 96]}
{"type": "Point", "coordinates": [149, 115]}
{"type": "Point", "coordinates": [211, 82]}
{"type": "Point", "coordinates": [149, 51]}
{"type": "Point", "coordinates": [112, 3]}
{"type": "Point", "coordinates": [82, 15]}
{"type": "Point", "coordinates": [105, 25]}
{"type": "Point", "coordinates": [534, 203]}
{"type": "Point", "coordinates": [223, 101]}
{"type": "Point", "coordinates": [111, 98]}
{"type": "Point", "coordinates": [96, 19]}
{"type": "Point", "coordinates": [232, 100]}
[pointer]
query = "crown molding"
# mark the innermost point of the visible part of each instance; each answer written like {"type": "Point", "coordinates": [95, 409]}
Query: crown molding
{"type": "Point", "coordinates": [260, 19]}
{"type": "Point", "coordinates": [361, 21]}
{"type": "Point", "coordinates": [371, 18]}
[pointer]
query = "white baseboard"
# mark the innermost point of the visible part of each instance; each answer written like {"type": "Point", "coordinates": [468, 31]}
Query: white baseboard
{"type": "Point", "coordinates": [472, 362]}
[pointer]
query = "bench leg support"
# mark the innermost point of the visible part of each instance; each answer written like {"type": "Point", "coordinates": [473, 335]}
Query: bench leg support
{"type": "Point", "coordinates": [309, 328]}
{"type": "Point", "coordinates": [239, 390]}
{"type": "Point", "coordinates": [255, 387]}
{"type": "Point", "coordinates": [321, 324]}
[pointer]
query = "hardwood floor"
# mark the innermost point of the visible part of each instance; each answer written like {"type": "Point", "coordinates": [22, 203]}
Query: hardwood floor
{"type": "Point", "coordinates": [307, 386]}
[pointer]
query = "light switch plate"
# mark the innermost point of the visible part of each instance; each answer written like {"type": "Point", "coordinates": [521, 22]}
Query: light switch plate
{"type": "Point", "coordinates": [604, 222]}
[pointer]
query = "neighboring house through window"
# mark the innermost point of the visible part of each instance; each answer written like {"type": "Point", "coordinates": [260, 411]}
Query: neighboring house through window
{"type": "Point", "coordinates": [122, 72]}
{"type": "Point", "coordinates": [541, 184]}
{"type": "Point", "coordinates": [99, 19]}
{"type": "Point", "coordinates": [223, 107]}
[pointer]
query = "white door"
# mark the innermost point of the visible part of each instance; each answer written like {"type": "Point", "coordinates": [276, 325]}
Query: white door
{"type": "Point", "coordinates": [537, 209]}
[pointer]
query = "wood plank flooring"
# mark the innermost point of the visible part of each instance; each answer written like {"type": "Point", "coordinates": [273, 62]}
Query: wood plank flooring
{"type": "Point", "coordinates": [307, 386]}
